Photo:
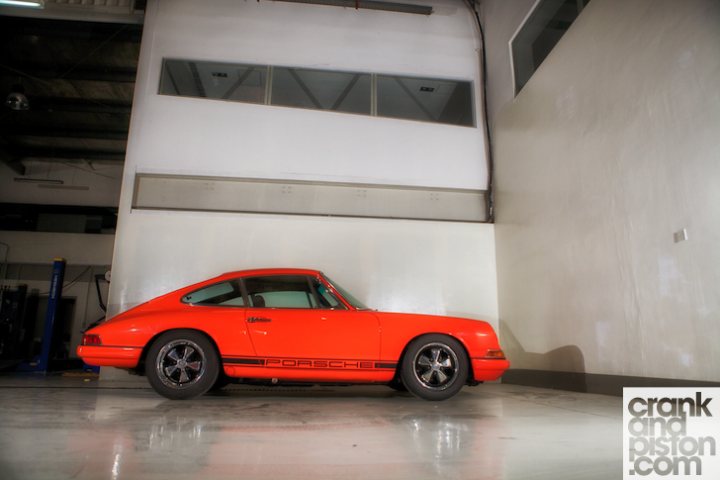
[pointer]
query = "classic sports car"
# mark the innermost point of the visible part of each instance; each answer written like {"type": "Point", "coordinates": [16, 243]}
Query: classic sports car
{"type": "Point", "coordinates": [290, 325]}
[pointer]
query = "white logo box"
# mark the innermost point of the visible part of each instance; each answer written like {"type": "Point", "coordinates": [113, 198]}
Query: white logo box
{"type": "Point", "coordinates": [671, 433]}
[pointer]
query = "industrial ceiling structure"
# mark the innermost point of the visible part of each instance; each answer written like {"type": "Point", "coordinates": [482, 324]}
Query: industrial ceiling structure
{"type": "Point", "coordinates": [67, 76]}
{"type": "Point", "coordinates": [67, 88]}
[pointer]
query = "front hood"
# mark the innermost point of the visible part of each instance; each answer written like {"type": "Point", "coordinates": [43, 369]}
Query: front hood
{"type": "Point", "coordinates": [422, 317]}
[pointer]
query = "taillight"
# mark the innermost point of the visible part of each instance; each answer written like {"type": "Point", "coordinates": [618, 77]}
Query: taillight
{"type": "Point", "coordinates": [495, 354]}
{"type": "Point", "coordinates": [91, 340]}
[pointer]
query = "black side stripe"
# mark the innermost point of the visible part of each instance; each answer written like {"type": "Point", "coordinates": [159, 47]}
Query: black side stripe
{"type": "Point", "coordinates": [244, 361]}
{"type": "Point", "coordinates": [386, 366]}
{"type": "Point", "coordinates": [261, 362]}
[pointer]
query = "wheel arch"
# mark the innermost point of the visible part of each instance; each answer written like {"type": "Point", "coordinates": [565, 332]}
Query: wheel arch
{"type": "Point", "coordinates": [140, 369]}
{"type": "Point", "coordinates": [398, 368]}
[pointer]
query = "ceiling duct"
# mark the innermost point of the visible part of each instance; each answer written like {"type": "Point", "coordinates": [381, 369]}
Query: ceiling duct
{"type": "Point", "coordinates": [370, 5]}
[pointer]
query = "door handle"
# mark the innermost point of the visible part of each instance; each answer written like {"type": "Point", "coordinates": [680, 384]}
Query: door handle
{"type": "Point", "coordinates": [259, 320]}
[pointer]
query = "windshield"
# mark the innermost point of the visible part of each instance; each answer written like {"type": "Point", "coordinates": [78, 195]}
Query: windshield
{"type": "Point", "coordinates": [346, 295]}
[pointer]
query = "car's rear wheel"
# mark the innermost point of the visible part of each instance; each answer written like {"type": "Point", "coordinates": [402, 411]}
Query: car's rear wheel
{"type": "Point", "coordinates": [182, 364]}
{"type": "Point", "coordinates": [435, 367]}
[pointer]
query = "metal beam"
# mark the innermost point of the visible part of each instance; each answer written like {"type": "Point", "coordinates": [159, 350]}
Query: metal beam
{"type": "Point", "coordinates": [305, 88]}
{"type": "Point", "coordinates": [57, 132]}
{"type": "Point", "coordinates": [81, 30]}
{"type": "Point", "coordinates": [345, 92]}
{"type": "Point", "coordinates": [62, 154]}
{"type": "Point", "coordinates": [84, 105]}
{"type": "Point", "coordinates": [93, 73]}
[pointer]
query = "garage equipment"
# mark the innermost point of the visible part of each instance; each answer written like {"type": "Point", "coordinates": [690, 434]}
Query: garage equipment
{"type": "Point", "coordinates": [12, 306]}
{"type": "Point", "coordinates": [56, 284]}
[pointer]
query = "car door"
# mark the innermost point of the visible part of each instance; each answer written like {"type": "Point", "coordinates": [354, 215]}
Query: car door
{"type": "Point", "coordinates": [288, 320]}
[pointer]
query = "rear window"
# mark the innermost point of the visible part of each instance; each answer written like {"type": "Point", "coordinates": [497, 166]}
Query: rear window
{"type": "Point", "coordinates": [226, 293]}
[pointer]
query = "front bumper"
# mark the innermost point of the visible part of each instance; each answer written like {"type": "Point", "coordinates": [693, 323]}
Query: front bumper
{"type": "Point", "coordinates": [485, 369]}
{"type": "Point", "coordinates": [103, 356]}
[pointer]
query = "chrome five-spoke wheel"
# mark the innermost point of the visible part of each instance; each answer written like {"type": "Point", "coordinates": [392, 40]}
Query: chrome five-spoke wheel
{"type": "Point", "coordinates": [436, 366]}
{"type": "Point", "coordinates": [180, 363]}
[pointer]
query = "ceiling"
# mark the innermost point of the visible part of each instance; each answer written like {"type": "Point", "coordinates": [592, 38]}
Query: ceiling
{"type": "Point", "coordinates": [79, 79]}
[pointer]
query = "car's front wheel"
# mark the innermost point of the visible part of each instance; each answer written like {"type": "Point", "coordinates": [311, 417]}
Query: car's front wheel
{"type": "Point", "coordinates": [435, 367]}
{"type": "Point", "coordinates": [182, 364]}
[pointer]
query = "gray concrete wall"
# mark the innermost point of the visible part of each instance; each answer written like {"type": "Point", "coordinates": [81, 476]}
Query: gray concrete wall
{"type": "Point", "coordinates": [610, 149]}
{"type": "Point", "coordinates": [501, 20]}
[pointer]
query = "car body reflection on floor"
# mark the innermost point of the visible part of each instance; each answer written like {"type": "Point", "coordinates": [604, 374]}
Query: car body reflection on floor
{"type": "Point", "coordinates": [492, 431]}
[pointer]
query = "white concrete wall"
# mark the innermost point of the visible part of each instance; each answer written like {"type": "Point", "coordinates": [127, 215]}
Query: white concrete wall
{"type": "Point", "coordinates": [610, 148]}
{"type": "Point", "coordinates": [433, 267]}
{"type": "Point", "coordinates": [199, 136]}
{"type": "Point", "coordinates": [397, 265]}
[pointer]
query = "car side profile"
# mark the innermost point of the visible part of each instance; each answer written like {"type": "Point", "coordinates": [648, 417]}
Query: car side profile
{"type": "Point", "coordinates": [290, 325]}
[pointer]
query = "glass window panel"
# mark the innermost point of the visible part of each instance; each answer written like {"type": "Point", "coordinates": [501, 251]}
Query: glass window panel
{"type": "Point", "coordinates": [287, 300]}
{"type": "Point", "coordinates": [280, 291]}
{"type": "Point", "coordinates": [326, 297]}
{"type": "Point", "coordinates": [321, 90]}
{"type": "Point", "coordinates": [539, 34]}
{"type": "Point", "coordinates": [222, 81]}
{"type": "Point", "coordinates": [425, 99]}
{"type": "Point", "coordinates": [223, 293]}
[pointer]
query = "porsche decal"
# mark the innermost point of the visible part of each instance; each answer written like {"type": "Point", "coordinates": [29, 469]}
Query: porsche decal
{"type": "Point", "coordinates": [310, 363]}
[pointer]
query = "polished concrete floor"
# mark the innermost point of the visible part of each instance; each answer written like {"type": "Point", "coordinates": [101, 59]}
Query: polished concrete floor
{"type": "Point", "coordinates": [59, 428]}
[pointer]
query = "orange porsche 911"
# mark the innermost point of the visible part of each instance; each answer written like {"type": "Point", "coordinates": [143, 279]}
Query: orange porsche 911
{"type": "Point", "coordinates": [290, 326]}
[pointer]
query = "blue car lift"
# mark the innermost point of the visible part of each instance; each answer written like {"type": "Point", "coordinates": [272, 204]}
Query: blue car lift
{"type": "Point", "coordinates": [41, 364]}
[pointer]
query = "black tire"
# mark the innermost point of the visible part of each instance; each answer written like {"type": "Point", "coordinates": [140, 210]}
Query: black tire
{"type": "Point", "coordinates": [221, 382]}
{"type": "Point", "coordinates": [195, 362]}
{"type": "Point", "coordinates": [397, 385]}
{"type": "Point", "coordinates": [435, 367]}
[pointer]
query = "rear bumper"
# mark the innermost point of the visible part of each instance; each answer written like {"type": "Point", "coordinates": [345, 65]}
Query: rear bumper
{"type": "Point", "coordinates": [485, 369]}
{"type": "Point", "coordinates": [102, 356]}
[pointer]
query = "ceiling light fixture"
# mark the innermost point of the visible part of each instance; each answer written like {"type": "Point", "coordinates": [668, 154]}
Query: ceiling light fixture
{"type": "Point", "coordinates": [38, 180]}
{"type": "Point", "coordinates": [370, 5]}
{"type": "Point", "coordinates": [65, 187]}
{"type": "Point", "coordinates": [17, 100]}
{"type": "Point", "coordinates": [23, 3]}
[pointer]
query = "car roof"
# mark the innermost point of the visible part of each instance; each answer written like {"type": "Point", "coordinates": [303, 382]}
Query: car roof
{"type": "Point", "coordinates": [270, 271]}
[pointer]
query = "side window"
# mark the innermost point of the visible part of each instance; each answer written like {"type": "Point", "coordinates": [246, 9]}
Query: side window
{"type": "Point", "coordinates": [326, 297]}
{"type": "Point", "coordinates": [280, 291]}
{"type": "Point", "coordinates": [227, 294]}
